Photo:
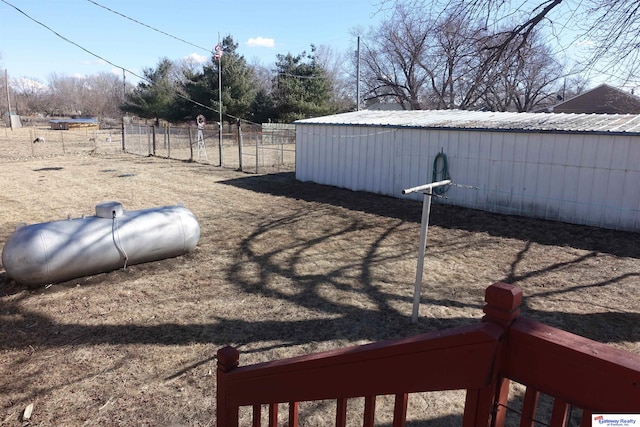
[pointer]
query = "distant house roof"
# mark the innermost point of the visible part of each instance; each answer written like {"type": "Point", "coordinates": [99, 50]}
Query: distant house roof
{"type": "Point", "coordinates": [486, 121]}
{"type": "Point", "coordinates": [85, 120]}
{"type": "Point", "coordinates": [603, 99]}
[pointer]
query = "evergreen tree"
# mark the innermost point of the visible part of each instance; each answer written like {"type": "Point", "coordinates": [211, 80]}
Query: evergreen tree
{"type": "Point", "coordinates": [153, 97]}
{"type": "Point", "coordinates": [301, 88]}
{"type": "Point", "coordinates": [263, 108]}
{"type": "Point", "coordinates": [238, 82]}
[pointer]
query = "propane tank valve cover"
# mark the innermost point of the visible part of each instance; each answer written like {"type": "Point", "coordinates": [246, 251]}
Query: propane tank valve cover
{"type": "Point", "coordinates": [109, 210]}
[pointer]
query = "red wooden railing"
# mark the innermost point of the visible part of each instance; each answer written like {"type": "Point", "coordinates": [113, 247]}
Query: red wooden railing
{"type": "Point", "coordinates": [481, 359]}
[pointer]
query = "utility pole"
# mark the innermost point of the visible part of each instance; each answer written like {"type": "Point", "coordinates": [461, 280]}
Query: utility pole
{"type": "Point", "coordinates": [6, 79]}
{"type": "Point", "coordinates": [219, 51]}
{"type": "Point", "coordinates": [124, 95]}
{"type": "Point", "coordinates": [358, 76]}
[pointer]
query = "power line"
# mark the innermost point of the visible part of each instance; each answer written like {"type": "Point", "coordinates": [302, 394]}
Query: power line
{"type": "Point", "coordinates": [148, 26]}
{"type": "Point", "coordinates": [69, 40]}
{"type": "Point", "coordinates": [178, 94]}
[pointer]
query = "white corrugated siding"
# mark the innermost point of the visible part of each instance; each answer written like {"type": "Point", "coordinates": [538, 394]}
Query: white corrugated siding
{"type": "Point", "coordinates": [583, 178]}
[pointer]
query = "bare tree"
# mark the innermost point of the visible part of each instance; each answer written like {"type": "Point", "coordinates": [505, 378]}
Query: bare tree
{"type": "Point", "coordinates": [65, 95]}
{"type": "Point", "coordinates": [614, 26]}
{"type": "Point", "coordinates": [334, 64]}
{"type": "Point", "coordinates": [450, 60]}
{"type": "Point", "coordinates": [183, 68]}
{"type": "Point", "coordinates": [444, 62]}
{"type": "Point", "coordinates": [3, 92]}
{"type": "Point", "coordinates": [103, 94]}
{"type": "Point", "coordinates": [263, 75]}
{"type": "Point", "coordinates": [529, 77]}
{"type": "Point", "coordinates": [98, 95]}
{"type": "Point", "coordinates": [458, 75]}
{"type": "Point", "coordinates": [30, 94]}
{"type": "Point", "coordinates": [391, 56]}
{"type": "Point", "coordinates": [3, 97]}
{"type": "Point", "coordinates": [611, 26]}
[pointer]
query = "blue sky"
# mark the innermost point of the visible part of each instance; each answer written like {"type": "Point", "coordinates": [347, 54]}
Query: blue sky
{"type": "Point", "coordinates": [262, 30]}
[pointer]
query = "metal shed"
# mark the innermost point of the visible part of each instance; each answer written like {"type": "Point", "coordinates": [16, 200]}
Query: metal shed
{"type": "Point", "coordinates": [575, 168]}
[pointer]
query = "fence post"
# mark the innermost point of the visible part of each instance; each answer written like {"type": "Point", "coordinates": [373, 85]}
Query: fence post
{"type": "Point", "coordinates": [153, 137]}
{"type": "Point", "coordinates": [220, 141]}
{"type": "Point", "coordinates": [168, 141]}
{"type": "Point", "coordinates": [148, 141]}
{"type": "Point", "coordinates": [190, 145]}
{"type": "Point", "coordinates": [239, 145]}
{"type": "Point", "coordinates": [257, 153]}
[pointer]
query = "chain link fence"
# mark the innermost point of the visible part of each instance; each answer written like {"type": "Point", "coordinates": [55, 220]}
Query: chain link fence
{"type": "Point", "coordinates": [35, 141]}
{"type": "Point", "coordinates": [251, 148]}
{"type": "Point", "coordinates": [255, 149]}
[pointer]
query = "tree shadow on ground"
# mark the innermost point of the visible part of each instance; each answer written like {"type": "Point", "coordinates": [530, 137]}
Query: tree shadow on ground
{"type": "Point", "coordinates": [595, 240]}
{"type": "Point", "coordinates": [24, 329]}
{"type": "Point", "coordinates": [619, 243]}
{"type": "Point", "coordinates": [346, 322]}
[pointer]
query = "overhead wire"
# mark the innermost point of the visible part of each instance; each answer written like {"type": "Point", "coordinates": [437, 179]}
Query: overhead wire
{"type": "Point", "coordinates": [182, 40]}
{"type": "Point", "coordinates": [66, 39]}
{"type": "Point", "coordinates": [173, 37]}
{"type": "Point", "coordinates": [69, 40]}
{"type": "Point", "coordinates": [148, 26]}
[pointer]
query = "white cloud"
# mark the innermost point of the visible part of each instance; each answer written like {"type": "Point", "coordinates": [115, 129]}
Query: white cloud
{"type": "Point", "coordinates": [260, 42]}
{"type": "Point", "coordinates": [196, 58]}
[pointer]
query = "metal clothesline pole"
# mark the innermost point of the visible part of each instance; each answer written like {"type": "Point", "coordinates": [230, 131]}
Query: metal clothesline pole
{"type": "Point", "coordinates": [424, 229]}
{"type": "Point", "coordinates": [219, 101]}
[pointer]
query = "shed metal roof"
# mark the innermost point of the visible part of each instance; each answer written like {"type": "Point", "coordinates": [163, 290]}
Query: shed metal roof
{"type": "Point", "coordinates": [485, 120]}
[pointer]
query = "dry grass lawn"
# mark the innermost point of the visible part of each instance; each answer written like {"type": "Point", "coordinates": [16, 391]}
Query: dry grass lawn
{"type": "Point", "coordinates": [282, 268]}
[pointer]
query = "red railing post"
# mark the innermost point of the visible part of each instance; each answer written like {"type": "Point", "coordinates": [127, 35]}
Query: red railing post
{"type": "Point", "coordinates": [400, 410]}
{"type": "Point", "coordinates": [503, 307]}
{"type": "Point", "coordinates": [485, 406]}
{"type": "Point", "coordinates": [369, 411]}
{"type": "Point", "coordinates": [227, 414]}
{"type": "Point", "coordinates": [293, 414]}
{"type": "Point", "coordinates": [503, 303]}
{"type": "Point", "coordinates": [341, 412]}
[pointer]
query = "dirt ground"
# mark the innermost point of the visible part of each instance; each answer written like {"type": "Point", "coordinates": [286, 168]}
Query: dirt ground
{"type": "Point", "coordinates": [282, 268]}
